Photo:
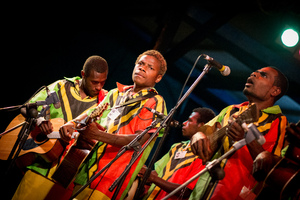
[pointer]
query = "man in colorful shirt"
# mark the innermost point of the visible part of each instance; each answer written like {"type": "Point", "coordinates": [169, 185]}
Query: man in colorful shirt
{"type": "Point", "coordinates": [179, 164]}
{"type": "Point", "coordinates": [122, 125]}
{"type": "Point", "coordinates": [76, 96]}
{"type": "Point", "coordinates": [264, 87]}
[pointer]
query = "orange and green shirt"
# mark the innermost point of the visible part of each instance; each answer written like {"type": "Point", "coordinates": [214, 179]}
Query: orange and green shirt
{"type": "Point", "coordinates": [128, 120]}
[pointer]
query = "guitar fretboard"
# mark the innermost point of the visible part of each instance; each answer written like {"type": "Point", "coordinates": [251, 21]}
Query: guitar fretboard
{"type": "Point", "coordinates": [56, 135]}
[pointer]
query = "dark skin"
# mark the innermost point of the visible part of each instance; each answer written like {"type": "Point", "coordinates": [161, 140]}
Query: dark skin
{"type": "Point", "coordinates": [145, 75]}
{"type": "Point", "coordinates": [265, 161]}
{"type": "Point", "coordinates": [190, 127]}
{"type": "Point", "coordinates": [89, 86]}
{"type": "Point", "coordinates": [259, 89]}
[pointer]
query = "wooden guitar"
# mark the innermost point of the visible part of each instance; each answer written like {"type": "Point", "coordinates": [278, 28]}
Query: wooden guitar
{"type": "Point", "coordinates": [49, 147]}
{"type": "Point", "coordinates": [215, 135]}
{"type": "Point", "coordinates": [283, 180]}
{"type": "Point", "coordinates": [68, 168]}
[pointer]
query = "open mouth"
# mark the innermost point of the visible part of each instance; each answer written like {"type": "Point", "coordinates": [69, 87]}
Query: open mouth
{"type": "Point", "coordinates": [249, 82]}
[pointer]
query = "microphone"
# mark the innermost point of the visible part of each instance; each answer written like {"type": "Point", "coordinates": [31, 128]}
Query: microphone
{"type": "Point", "coordinates": [225, 70]}
{"type": "Point", "coordinates": [52, 98]}
{"type": "Point", "coordinates": [173, 123]}
{"type": "Point", "coordinates": [55, 99]}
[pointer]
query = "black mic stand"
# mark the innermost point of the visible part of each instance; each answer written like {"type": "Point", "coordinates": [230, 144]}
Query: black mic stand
{"type": "Point", "coordinates": [168, 120]}
{"type": "Point", "coordinates": [252, 134]}
{"type": "Point", "coordinates": [134, 143]}
{"type": "Point", "coordinates": [28, 126]}
{"type": "Point", "coordinates": [138, 150]}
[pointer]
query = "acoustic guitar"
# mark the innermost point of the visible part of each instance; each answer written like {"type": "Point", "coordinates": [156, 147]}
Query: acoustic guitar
{"type": "Point", "coordinates": [283, 180]}
{"type": "Point", "coordinates": [78, 152]}
{"type": "Point", "coordinates": [216, 135]}
{"type": "Point", "coordinates": [49, 147]}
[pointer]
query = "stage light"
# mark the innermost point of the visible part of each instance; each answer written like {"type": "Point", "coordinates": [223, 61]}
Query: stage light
{"type": "Point", "coordinates": [289, 37]}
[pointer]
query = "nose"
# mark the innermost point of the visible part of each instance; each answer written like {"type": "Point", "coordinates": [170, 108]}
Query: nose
{"type": "Point", "coordinates": [141, 67]}
{"type": "Point", "coordinates": [184, 123]}
{"type": "Point", "coordinates": [98, 87]}
{"type": "Point", "coordinates": [254, 74]}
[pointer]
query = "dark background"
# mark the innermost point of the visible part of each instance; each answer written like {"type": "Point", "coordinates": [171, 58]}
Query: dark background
{"type": "Point", "coordinates": [44, 43]}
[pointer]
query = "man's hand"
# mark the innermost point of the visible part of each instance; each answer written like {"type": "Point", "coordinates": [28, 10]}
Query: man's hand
{"type": "Point", "coordinates": [262, 165]}
{"type": "Point", "coordinates": [201, 147]}
{"type": "Point", "coordinates": [92, 132]}
{"type": "Point", "coordinates": [235, 131]}
{"type": "Point", "coordinates": [152, 176]}
{"type": "Point", "coordinates": [66, 131]}
{"type": "Point", "coordinates": [46, 127]}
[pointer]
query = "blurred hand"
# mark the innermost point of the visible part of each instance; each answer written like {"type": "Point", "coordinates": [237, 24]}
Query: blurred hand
{"type": "Point", "coordinates": [235, 131]}
{"type": "Point", "coordinates": [152, 176]}
{"type": "Point", "coordinates": [66, 131]}
{"type": "Point", "coordinates": [46, 127]}
{"type": "Point", "coordinates": [262, 165]}
{"type": "Point", "coordinates": [201, 147]}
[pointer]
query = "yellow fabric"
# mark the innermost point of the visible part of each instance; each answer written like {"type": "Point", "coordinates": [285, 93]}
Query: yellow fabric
{"type": "Point", "coordinates": [89, 194]}
{"type": "Point", "coordinates": [37, 187]}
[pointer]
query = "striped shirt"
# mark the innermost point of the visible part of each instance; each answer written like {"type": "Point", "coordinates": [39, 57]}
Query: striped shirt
{"type": "Point", "coordinates": [122, 121]}
{"type": "Point", "coordinates": [238, 168]}
{"type": "Point", "coordinates": [177, 166]}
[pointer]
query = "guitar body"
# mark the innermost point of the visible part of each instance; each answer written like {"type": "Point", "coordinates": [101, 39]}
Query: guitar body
{"type": "Point", "coordinates": [78, 152]}
{"type": "Point", "coordinates": [49, 149]}
{"type": "Point", "coordinates": [282, 181]}
{"type": "Point", "coordinates": [66, 171]}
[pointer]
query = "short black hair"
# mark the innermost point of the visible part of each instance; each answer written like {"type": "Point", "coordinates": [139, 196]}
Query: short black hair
{"type": "Point", "coordinates": [282, 82]}
{"type": "Point", "coordinates": [158, 56]}
{"type": "Point", "coordinates": [96, 63]}
{"type": "Point", "coordinates": [206, 114]}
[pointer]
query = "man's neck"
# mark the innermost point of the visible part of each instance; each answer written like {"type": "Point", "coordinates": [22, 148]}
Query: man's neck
{"type": "Point", "coordinates": [81, 88]}
{"type": "Point", "coordinates": [136, 88]}
{"type": "Point", "coordinates": [261, 105]}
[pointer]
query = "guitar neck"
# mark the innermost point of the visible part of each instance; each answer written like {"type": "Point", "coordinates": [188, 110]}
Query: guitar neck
{"type": "Point", "coordinates": [248, 116]}
{"type": "Point", "coordinates": [216, 138]}
{"type": "Point", "coordinates": [56, 135]}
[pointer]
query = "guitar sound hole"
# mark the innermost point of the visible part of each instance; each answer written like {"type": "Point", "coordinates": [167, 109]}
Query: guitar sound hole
{"type": "Point", "coordinates": [41, 137]}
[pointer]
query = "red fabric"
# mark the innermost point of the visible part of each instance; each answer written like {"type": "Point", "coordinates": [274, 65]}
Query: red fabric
{"type": "Point", "coordinates": [182, 175]}
{"type": "Point", "coordinates": [137, 123]}
{"type": "Point", "coordinates": [238, 169]}
{"type": "Point", "coordinates": [101, 95]}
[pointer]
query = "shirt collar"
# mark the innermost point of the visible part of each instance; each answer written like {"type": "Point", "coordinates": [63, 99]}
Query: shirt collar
{"type": "Point", "coordinates": [124, 88]}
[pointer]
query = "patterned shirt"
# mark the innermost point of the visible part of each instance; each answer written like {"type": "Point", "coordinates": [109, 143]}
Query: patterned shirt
{"type": "Point", "coordinates": [124, 120]}
{"type": "Point", "coordinates": [238, 168]}
{"type": "Point", "coordinates": [177, 166]}
{"type": "Point", "coordinates": [71, 106]}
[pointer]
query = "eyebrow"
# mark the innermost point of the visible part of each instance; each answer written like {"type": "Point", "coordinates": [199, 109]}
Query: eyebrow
{"type": "Point", "coordinates": [262, 73]}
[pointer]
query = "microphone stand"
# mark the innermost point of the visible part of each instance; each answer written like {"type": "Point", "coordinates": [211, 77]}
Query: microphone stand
{"type": "Point", "coordinates": [138, 150]}
{"type": "Point", "coordinates": [206, 69]}
{"type": "Point", "coordinates": [252, 134]}
{"type": "Point", "coordinates": [28, 126]}
{"type": "Point", "coordinates": [134, 143]}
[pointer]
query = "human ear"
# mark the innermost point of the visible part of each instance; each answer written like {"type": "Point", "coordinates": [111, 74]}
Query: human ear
{"type": "Point", "coordinates": [82, 73]}
{"type": "Point", "coordinates": [158, 78]}
{"type": "Point", "coordinates": [200, 124]}
{"type": "Point", "coordinates": [276, 91]}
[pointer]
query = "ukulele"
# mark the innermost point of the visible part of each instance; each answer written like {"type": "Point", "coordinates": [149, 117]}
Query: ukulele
{"type": "Point", "coordinates": [216, 135]}
{"type": "Point", "coordinates": [48, 146]}
{"type": "Point", "coordinates": [78, 152]}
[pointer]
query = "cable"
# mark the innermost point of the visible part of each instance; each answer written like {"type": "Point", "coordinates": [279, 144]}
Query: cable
{"type": "Point", "coordinates": [188, 77]}
{"type": "Point", "coordinates": [13, 108]}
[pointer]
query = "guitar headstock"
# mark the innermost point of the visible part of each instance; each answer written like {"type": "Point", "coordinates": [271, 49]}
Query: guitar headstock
{"type": "Point", "coordinates": [98, 110]}
{"type": "Point", "coordinates": [250, 115]}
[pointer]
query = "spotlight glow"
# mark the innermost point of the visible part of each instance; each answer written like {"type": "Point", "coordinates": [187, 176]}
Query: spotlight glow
{"type": "Point", "coordinates": [289, 38]}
